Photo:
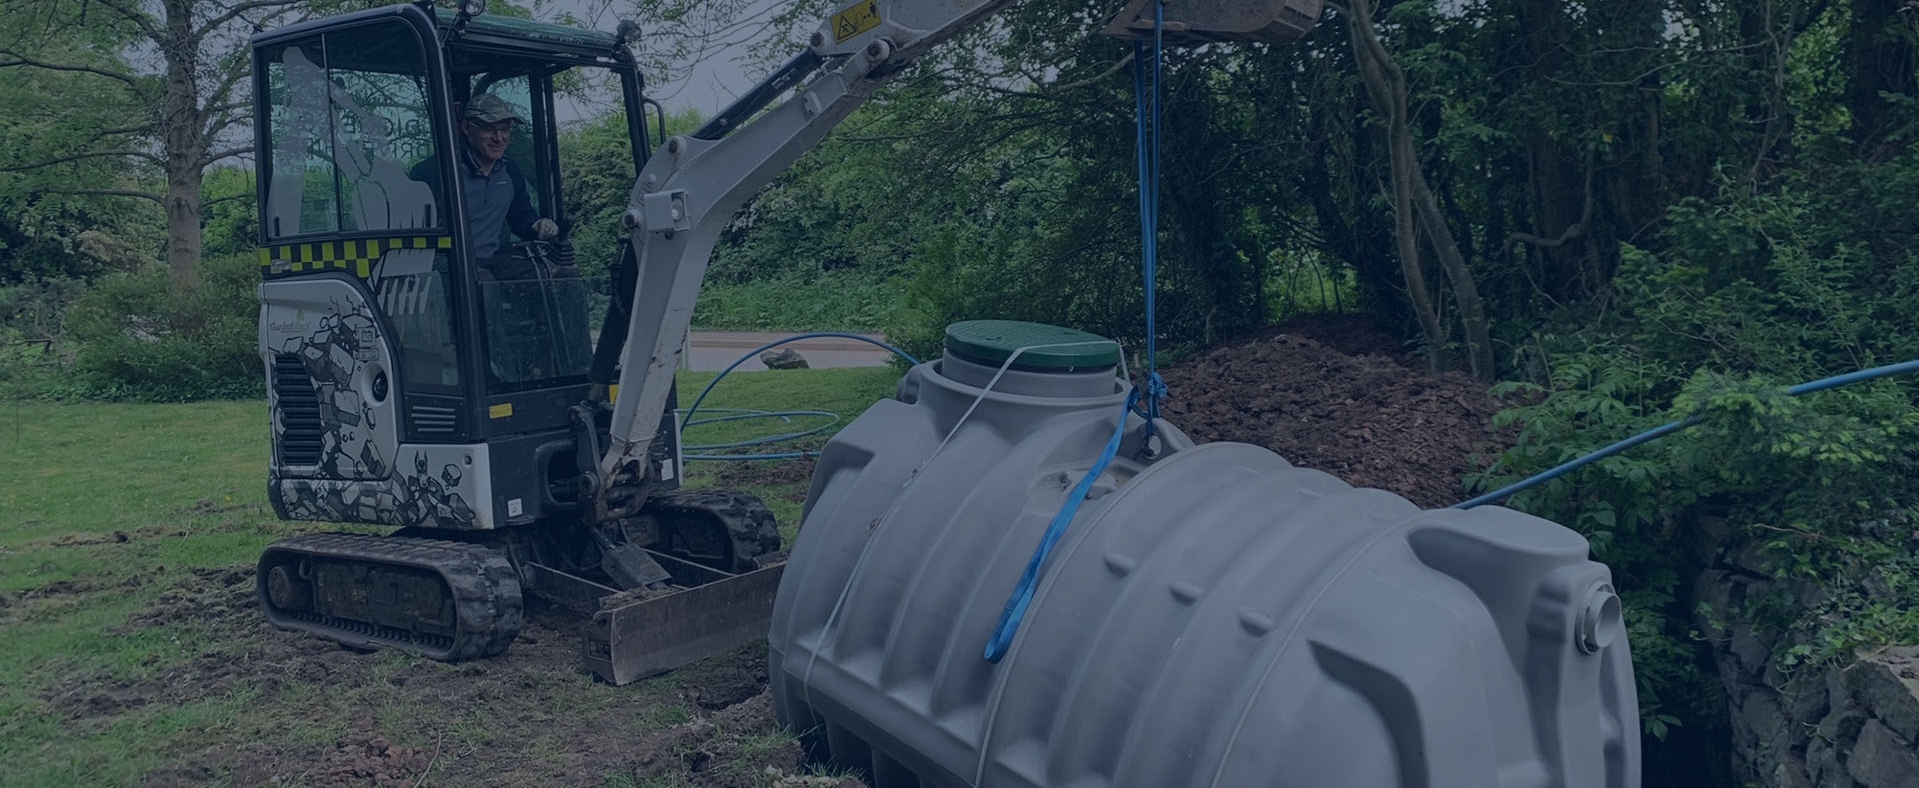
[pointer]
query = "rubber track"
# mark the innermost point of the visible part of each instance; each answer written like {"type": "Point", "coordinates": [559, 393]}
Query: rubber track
{"type": "Point", "coordinates": [483, 584]}
{"type": "Point", "coordinates": [750, 526]}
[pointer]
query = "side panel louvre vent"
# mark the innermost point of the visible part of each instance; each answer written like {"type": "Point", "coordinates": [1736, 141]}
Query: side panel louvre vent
{"type": "Point", "coordinates": [431, 420]}
{"type": "Point", "coordinates": [299, 405]}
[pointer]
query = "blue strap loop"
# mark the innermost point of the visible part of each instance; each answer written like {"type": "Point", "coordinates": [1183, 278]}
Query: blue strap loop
{"type": "Point", "coordinates": [1148, 405]}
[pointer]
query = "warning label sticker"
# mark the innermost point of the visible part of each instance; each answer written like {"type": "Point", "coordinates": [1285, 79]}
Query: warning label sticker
{"type": "Point", "coordinates": [855, 20]}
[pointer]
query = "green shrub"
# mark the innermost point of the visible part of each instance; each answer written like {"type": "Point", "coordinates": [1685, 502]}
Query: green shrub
{"type": "Point", "coordinates": [1735, 299]}
{"type": "Point", "coordinates": [34, 309]}
{"type": "Point", "coordinates": [139, 338]}
{"type": "Point", "coordinates": [1812, 482]}
{"type": "Point", "coordinates": [34, 352]}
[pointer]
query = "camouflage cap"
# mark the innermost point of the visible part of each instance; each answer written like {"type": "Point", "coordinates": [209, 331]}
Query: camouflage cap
{"type": "Point", "coordinates": [488, 108]}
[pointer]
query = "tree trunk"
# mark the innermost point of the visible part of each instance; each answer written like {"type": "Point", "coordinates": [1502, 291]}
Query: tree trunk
{"type": "Point", "coordinates": [183, 226]}
{"type": "Point", "coordinates": [1413, 198]}
{"type": "Point", "coordinates": [1200, 223]}
{"type": "Point", "coordinates": [1354, 233]}
{"type": "Point", "coordinates": [186, 146]}
{"type": "Point", "coordinates": [1389, 97]}
{"type": "Point", "coordinates": [1472, 310]}
{"type": "Point", "coordinates": [1542, 56]}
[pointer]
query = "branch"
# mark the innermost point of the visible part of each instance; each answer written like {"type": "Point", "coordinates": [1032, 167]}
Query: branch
{"type": "Point", "coordinates": [144, 128]}
{"type": "Point", "coordinates": [101, 154]}
{"type": "Point", "coordinates": [153, 34]}
{"type": "Point", "coordinates": [222, 123]}
{"type": "Point", "coordinates": [1573, 231]}
{"type": "Point", "coordinates": [220, 92]}
{"type": "Point", "coordinates": [229, 198]}
{"type": "Point", "coordinates": [1364, 17]}
{"type": "Point", "coordinates": [155, 198]}
{"type": "Point", "coordinates": [22, 60]}
{"type": "Point", "coordinates": [1123, 62]}
{"type": "Point", "coordinates": [235, 12]}
{"type": "Point", "coordinates": [229, 153]}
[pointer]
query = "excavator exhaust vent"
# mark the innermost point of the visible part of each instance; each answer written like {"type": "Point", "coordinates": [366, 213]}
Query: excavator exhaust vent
{"type": "Point", "coordinates": [1194, 22]}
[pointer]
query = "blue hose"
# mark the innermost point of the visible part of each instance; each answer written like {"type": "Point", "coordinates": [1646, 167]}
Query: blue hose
{"type": "Point", "coordinates": [686, 418]}
{"type": "Point", "coordinates": [745, 415]}
{"type": "Point", "coordinates": [1668, 429]}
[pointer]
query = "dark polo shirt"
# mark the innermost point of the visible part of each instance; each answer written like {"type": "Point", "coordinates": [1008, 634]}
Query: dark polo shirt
{"type": "Point", "coordinates": [493, 200]}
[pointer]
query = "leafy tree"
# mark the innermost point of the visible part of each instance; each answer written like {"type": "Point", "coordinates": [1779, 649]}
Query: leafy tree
{"type": "Point", "coordinates": [45, 234]}
{"type": "Point", "coordinates": [1883, 45]}
{"type": "Point", "coordinates": [66, 237]}
{"type": "Point", "coordinates": [231, 220]}
{"type": "Point", "coordinates": [596, 160]}
{"type": "Point", "coordinates": [164, 87]}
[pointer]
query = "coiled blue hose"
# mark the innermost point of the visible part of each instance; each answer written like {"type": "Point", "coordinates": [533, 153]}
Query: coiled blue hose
{"type": "Point", "coordinates": [686, 418]}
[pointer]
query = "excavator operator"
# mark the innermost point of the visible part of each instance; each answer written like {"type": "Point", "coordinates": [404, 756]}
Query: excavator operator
{"type": "Point", "coordinates": [533, 299]}
{"type": "Point", "coordinates": [496, 191]}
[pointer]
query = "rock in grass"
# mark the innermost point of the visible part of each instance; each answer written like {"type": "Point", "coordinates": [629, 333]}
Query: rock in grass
{"type": "Point", "coordinates": [784, 358]}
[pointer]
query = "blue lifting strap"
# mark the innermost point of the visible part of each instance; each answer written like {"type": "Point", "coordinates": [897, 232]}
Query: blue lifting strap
{"type": "Point", "coordinates": [1145, 403]}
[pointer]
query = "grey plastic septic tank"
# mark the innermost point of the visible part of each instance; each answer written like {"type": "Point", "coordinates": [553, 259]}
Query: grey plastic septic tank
{"type": "Point", "coordinates": [1212, 617]}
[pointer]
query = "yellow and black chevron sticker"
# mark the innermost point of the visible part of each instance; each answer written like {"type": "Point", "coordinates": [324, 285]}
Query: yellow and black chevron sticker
{"type": "Point", "coordinates": [356, 256]}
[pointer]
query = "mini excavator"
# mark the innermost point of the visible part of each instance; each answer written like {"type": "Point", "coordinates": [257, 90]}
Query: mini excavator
{"type": "Point", "coordinates": [512, 419]}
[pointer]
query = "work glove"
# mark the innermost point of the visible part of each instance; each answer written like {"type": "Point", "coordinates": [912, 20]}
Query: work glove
{"type": "Point", "coordinates": [546, 229]}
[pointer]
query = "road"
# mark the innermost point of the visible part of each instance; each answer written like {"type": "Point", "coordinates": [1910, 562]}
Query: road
{"type": "Point", "coordinates": [711, 351]}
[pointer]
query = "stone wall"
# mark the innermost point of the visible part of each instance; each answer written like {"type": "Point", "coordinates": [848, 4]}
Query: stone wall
{"type": "Point", "coordinates": [1851, 726]}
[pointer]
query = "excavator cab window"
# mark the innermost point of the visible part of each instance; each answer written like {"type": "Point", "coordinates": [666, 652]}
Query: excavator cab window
{"type": "Point", "coordinates": [534, 301]}
{"type": "Point", "coordinates": [347, 114]}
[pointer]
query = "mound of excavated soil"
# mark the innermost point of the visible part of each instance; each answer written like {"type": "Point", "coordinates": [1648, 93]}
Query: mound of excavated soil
{"type": "Point", "coordinates": [1371, 419]}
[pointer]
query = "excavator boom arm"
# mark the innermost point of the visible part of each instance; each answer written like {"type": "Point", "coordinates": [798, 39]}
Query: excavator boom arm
{"type": "Point", "coordinates": [689, 190]}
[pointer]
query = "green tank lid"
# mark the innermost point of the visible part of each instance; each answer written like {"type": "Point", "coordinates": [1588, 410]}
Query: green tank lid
{"type": "Point", "coordinates": [991, 342]}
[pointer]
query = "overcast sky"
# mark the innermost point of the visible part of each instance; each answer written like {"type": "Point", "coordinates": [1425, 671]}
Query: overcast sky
{"type": "Point", "coordinates": [708, 83]}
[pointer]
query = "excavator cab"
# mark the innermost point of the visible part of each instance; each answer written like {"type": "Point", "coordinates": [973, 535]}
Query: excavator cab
{"type": "Point", "coordinates": [395, 290]}
{"type": "Point", "coordinates": [430, 353]}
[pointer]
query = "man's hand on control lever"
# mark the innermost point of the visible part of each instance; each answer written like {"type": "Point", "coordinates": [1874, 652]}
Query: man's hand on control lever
{"type": "Point", "coordinates": [546, 229]}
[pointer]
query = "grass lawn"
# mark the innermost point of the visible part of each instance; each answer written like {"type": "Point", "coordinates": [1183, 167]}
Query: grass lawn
{"type": "Point", "coordinates": [117, 519]}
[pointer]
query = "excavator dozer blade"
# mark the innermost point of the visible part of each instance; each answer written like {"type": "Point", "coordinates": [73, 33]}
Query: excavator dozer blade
{"type": "Point", "coordinates": [1194, 22]}
{"type": "Point", "coordinates": [641, 634]}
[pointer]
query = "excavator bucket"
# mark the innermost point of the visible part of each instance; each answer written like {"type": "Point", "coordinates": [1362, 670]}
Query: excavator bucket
{"type": "Point", "coordinates": [1195, 22]}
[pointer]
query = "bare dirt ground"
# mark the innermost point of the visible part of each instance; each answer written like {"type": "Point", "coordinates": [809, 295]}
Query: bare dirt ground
{"type": "Point", "coordinates": [1330, 394]}
{"type": "Point", "coordinates": [526, 718]}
